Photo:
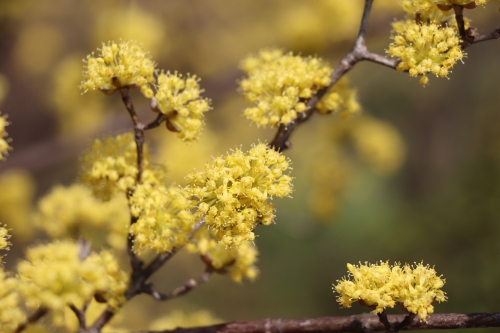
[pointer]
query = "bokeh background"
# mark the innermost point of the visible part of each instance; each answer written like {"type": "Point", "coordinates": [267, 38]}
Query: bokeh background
{"type": "Point", "coordinates": [415, 178]}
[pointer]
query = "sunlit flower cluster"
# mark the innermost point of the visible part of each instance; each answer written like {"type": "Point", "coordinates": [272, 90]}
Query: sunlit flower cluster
{"type": "Point", "coordinates": [118, 65]}
{"type": "Point", "coordinates": [179, 99]}
{"type": "Point", "coordinates": [164, 220]}
{"type": "Point", "coordinates": [280, 85]}
{"type": "Point", "coordinates": [238, 262]}
{"type": "Point", "coordinates": [4, 240]}
{"type": "Point", "coordinates": [425, 10]}
{"type": "Point", "coordinates": [11, 314]}
{"type": "Point", "coordinates": [234, 192]}
{"type": "Point", "coordinates": [381, 286]}
{"type": "Point", "coordinates": [340, 99]}
{"type": "Point", "coordinates": [110, 166]}
{"type": "Point", "coordinates": [56, 275]}
{"type": "Point", "coordinates": [426, 48]}
{"type": "Point", "coordinates": [4, 145]}
{"type": "Point", "coordinates": [74, 212]}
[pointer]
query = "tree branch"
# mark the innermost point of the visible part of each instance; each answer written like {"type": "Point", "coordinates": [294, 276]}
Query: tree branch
{"type": "Point", "coordinates": [358, 323]}
{"type": "Point", "coordinates": [32, 319]}
{"type": "Point", "coordinates": [185, 288]}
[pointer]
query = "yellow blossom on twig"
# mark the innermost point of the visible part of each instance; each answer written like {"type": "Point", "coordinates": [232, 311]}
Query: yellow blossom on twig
{"type": "Point", "coordinates": [164, 220]}
{"type": "Point", "coordinates": [425, 48]}
{"type": "Point", "coordinates": [4, 144]}
{"type": "Point", "coordinates": [381, 286]}
{"type": "Point", "coordinates": [123, 64]}
{"type": "Point", "coordinates": [179, 99]}
{"type": "Point", "coordinates": [234, 190]}
{"type": "Point", "coordinates": [280, 84]}
{"type": "Point", "coordinates": [110, 166]}
{"type": "Point", "coordinates": [55, 275]}
{"type": "Point", "coordinates": [238, 262]}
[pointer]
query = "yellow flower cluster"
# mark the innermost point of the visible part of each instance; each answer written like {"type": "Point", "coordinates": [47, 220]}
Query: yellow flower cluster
{"type": "Point", "coordinates": [4, 145]}
{"type": "Point", "coordinates": [74, 212]}
{"type": "Point", "coordinates": [382, 286]}
{"type": "Point", "coordinates": [339, 99]}
{"type": "Point", "coordinates": [118, 65]}
{"type": "Point", "coordinates": [239, 261]}
{"type": "Point", "coordinates": [426, 48]}
{"type": "Point", "coordinates": [11, 314]}
{"type": "Point", "coordinates": [426, 10]}
{"type": "Point", "coordinates": [179, 99]}
{"type": "Point", "coordinates": [4, 241]}
{"type": "Point", "coordinates": [110, 166]}
{"type": "Point", "coordinates": [164, 218]}
{"type": "Point", "coordinates": [234, 192]}
{"type": "Point", "coordinates": [280, 84]}
{"type": "Point", "coordinates": [54, 276]}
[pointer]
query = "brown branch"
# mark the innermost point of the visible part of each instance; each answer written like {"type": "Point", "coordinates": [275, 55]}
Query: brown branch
{"type": "Point", "coordinates": [358, 53]}
{"type": "Point", "coordinates": [157, 122]}
{"type": "Point", "coordinates": [32, 319]}
{"type": "Point", "coordinates": [185, 288]}
{"type": "Point", "coordinates": [358, 323]}
{"type": "Point", "coordinates": [471, 38]}
{"type": "Point", "coordinates": [80, 315]}
{"type": "Point", "coordinates": [459, 17]}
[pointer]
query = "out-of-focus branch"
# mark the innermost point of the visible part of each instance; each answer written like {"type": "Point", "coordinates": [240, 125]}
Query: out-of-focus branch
{"type": "Point", "coordinates": [37, 315]}
{"type": "Point", "coordinates": [366, 323]}
{"type": "Point", "coordinates": [185, 288]}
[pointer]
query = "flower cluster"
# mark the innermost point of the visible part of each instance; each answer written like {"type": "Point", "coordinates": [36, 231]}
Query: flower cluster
{"type": "Point", "coordinates": [74, 212]}
{"type": "Point", "coordinates": [280, 84]}
{"type": "Point", "coordinates": [339, 99]}
{"type": "Point", "coordinates": [234, 190]}
{"type": "Point", "coordinates": [55, 275]}
{"type": "Point", "coordinates": [239, 261]}
{"type": "Point", "coordinates": [110, 166]}
{"type": "Point", "coordinates": [425, 48]}
{"type": "Point", "coordinates": [164, 220]}
{"type": "Point", "coordinates": [11, 314]}
{"type": "Point", "coordinates": [382, 286]}
{"type": "Point", "coordinates": [179, 99]}
{"type": "Point", "coordinates": [4, 145]}
{"type": "Point", "coordinates": [448, 4]}
{"type": "Point", "coordinates": [4, 240]}
{"type": "Point", "coordinates": [425, 11]}
{"type": "Point", "coordinates": [119, 65]}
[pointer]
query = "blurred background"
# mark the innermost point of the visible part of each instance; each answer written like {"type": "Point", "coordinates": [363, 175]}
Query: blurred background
{"type": "Point", "coordinates": [415, 177]}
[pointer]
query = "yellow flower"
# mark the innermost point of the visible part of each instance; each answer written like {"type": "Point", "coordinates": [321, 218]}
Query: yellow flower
{"type": "Point", "coordinates": [239, 261]}
{"type": "Point", "coordinates": [164, 218]}
{"type": "Point", "coordinates": [179, 318]}
{"type": "Point", "coordinates": [118, 65]}
{"type": "Point", "coordinates": [426, 10]}
{"type": "Point", "coordinates": [110, 166]}
{"type": "Point", "coordinates": [339, 99]}
{"type": "Point", "coordinates": [4, 145]}
{"type": "Point", "coordinates": [54, 276]}
{"type": "Point", "coordinates": [447, 4]}
{"type": "Point", "coordinates": [11, 314]}
{"type": "Point", "coordinates": [426, 48]}
{"type": "Point", "coordinates": [280, 84]}
{"type": "Point", "coordinates": [234, 192]}
{"type": "Point", "coordinates": [381, 286]}
{"type": "Point", "coordinates": [74, 212]}
{"type": "Point", "coordinates": [179, 99]}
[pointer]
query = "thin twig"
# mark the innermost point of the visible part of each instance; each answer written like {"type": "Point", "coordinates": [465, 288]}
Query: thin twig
{"type": "Point", "coordinates": [157, 122]}
{"type": "Point", "coordinates": [358, 53]}
{"type": "Point", "coordinates": [80, 315]}
{"type": "Point", "coordinates": [359, 323]}
{"type": "Point", "coordinates": [459, 17]}
{"type": "Point", "coordinates": [32, 319]}
{"type": "Point", "coordinates": [179, 291]}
